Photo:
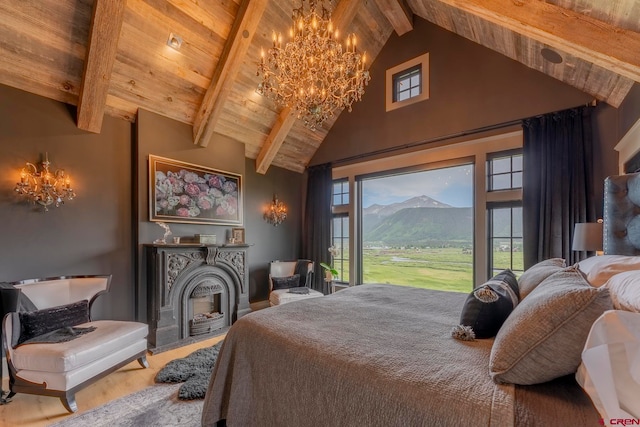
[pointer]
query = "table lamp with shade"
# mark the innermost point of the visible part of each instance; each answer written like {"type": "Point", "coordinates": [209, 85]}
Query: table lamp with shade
{"type": "Point", "coordinates": [587, 236]}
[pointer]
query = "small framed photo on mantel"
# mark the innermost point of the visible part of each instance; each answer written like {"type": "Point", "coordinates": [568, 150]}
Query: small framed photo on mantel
{"type": "Point", "coordinates": [237, 236]}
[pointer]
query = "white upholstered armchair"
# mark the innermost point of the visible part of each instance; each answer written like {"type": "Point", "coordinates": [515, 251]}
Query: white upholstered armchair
{"type": "Point", "coordinates": [291, 281]}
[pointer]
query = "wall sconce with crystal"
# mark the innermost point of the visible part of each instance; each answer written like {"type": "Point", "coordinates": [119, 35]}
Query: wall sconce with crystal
{"type": "Point", "coordinates": [276, 212]}
{"type": "Point", "coordinates": [44, 187]}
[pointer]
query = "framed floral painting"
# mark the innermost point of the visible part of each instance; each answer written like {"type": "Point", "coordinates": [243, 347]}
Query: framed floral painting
{"type": "Point", "coordinates": [184, 192]}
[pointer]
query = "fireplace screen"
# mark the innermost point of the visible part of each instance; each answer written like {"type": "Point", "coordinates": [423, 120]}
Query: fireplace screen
{"type": "Point", "coordinates": [206, 302]}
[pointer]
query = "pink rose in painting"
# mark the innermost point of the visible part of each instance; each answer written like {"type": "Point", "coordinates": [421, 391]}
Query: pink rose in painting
{"type": "Point", "coordinates": [176, 184]}
{"type": "Point", "coordinates": [183, 212]}
{"type": "Point", "coordinates": [192, 189]}
{"type": "Point", "coordinates": [232, 202]}
{"type": "Point", "coordinates": [214, 181]}
{"type": "Point", "coordinates": [185, 200]}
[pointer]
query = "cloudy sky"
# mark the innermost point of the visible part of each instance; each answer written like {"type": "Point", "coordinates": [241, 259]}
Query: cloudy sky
{"type": "Point", "coordinates": [453, 186]}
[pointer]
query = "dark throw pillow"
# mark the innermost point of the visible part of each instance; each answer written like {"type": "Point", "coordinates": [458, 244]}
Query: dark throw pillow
{"type": "Point", "coordinates": [40, 322]}
{"type": "Point", "coordinates": [488, 306]}
{"type": "Point", "coordinates": [286, 282]}
{"type": "Point", "coordinates": [300, 291]}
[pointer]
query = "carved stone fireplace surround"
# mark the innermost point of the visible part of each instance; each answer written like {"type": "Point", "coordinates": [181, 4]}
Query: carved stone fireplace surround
{"type": "Point", "coordinates": [175, 271]}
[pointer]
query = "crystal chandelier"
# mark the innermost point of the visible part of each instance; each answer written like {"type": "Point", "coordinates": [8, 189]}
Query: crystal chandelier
{"type": "Point", "coordinates": [276, 212]}
{"type": "Point", "coordinates": [45, 187]}
{"type": "Point", "coordinates": [313, 74]}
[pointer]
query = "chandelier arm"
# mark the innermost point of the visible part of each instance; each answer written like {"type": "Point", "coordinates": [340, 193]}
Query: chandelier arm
{"type": "Point", "coordinates": [34, 169]}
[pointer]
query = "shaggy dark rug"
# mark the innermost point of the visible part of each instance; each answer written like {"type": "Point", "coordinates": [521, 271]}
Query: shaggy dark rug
{"type": "Point", "coordinates": [194, 370]}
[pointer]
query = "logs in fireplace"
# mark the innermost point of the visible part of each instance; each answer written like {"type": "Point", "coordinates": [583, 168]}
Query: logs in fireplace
{"type": "Point", "coordinates": [194, 291]}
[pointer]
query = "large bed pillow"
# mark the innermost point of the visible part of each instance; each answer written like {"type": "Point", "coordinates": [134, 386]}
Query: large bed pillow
{"type": "Point", "coordinates": [544, 336]}
{"type": "Point", "coordinates": [625, 290]}
{"type": "Point", "coordinates": [487, 307]}
{"type": "Point", "coordinates": [535, 274]}
{"type": "Point", "coordinates": [601, 268]}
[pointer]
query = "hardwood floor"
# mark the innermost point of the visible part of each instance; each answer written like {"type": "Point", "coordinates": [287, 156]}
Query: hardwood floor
{"type": "Point", "coordinates": [33, 411]}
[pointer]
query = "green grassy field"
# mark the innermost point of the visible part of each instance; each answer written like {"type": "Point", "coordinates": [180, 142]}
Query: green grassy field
{"type": "Point", "coordinates": [446, 269]}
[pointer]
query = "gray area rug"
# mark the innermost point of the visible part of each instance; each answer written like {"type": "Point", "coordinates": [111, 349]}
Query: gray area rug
{"type": "Point", "coordinates": [152, 407]}
{"type": "Point", "coordinates": [165, 405]}
{"type": "Point", "coordinates": [193, 370]}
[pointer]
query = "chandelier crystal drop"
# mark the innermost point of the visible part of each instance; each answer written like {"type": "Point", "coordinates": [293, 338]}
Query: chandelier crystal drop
{"type": "Point", "coordinates": [45, 187]}
{"type": "Point", "coordinates": [313, 73]}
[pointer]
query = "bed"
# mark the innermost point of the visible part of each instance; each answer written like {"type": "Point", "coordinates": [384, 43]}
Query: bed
{"type": "Point", "coordinates": [383, 355]}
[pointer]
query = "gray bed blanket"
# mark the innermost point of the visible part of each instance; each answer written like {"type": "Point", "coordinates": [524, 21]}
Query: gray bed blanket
{"type": "Point", "coordinates": [373, 355]}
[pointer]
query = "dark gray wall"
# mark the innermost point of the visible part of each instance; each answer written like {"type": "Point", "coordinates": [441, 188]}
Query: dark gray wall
{"type": "Point", "coordinates": [89, 235]}
{"type": "Point", "coordinates": [164, 137]}
{"type": "Point", "coordinates": [283, 242]}
{"type": "Point", "coordinates": [97, 232]}
{"type": "Point", "coordinates": [629, 110]}
{"type": "Point", "coordinates": [611, 124]}
{"type": "Point", "coordinates": [471, 87]}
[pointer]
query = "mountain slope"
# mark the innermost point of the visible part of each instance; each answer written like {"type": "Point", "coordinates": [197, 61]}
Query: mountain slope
{"type": "Point", "coordinates": [374, 214]}
{"type": "Point", "coordinates": [422, 226]}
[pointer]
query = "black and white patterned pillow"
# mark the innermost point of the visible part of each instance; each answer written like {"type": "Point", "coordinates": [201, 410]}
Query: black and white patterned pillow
{"type": "Point", "coordinates": [487, 307]}
{"type": "Point", "coordinates": [40, 322]}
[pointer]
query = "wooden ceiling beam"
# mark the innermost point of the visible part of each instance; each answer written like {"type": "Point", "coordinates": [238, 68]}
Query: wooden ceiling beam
{"type": "Point", "coordinates": [342, 16]}
{"type": "Point", "coordinates": [106, 23]}
{"type": "Point", "coordinates": [602, 44]}
{"type": "Point", "coordinates": [398, 14]}
{"type": "Point", "coordinates": [244, 27]}
{"type": "Point", "coordinates": [274, 141]}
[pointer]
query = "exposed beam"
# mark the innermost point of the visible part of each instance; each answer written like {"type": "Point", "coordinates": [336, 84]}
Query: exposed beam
{"type": "Point", "coordinates": [102, 47]}
{"type": "Point", "coordinates": [398, 14]}
{"type": "Point", "coordinates": [244, 27]}
{"type": "Point", "coordinates": [274, 141]}
{"type": "Point", "coordinates": [612, 48]}
{"type": "Point", "coordinates": [342, 16]}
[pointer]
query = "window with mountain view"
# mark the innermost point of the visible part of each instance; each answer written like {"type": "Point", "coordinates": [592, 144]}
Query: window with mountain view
{"type": "Point", "coordinates": [504, 182]}
{"type": "Point", "coordinates": [505, 237]}
{"type": "Point", "coordinates": [340, 229]}
{"type": "Point", "coordinates": [417, 229]}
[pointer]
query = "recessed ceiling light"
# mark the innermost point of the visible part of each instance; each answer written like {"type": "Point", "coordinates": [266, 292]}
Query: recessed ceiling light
{"type": "Point", "coordinates": [174, 41]}
{"type": "Point", "coordinates": [551, 55]}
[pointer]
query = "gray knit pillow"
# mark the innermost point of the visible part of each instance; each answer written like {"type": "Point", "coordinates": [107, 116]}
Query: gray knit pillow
{"type": "Point", "coordinates": [537, 273]}
{"type": "Point", "coordinates": [544, 336]}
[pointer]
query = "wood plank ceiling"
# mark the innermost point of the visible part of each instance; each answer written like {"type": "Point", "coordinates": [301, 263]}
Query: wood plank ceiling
{"type": "Point", "coordinates": [111, 56]}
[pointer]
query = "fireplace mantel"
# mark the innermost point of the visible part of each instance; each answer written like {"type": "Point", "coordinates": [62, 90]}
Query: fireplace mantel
{"type": "Point", "coordinates": [174, 270]}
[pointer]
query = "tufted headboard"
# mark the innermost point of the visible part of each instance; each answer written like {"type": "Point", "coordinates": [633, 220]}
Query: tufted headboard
{"type": "Point", "coordinates": [622, 214]}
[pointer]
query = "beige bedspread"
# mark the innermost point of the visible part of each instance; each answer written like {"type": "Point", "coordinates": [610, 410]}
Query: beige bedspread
{"type": "Point", "coordinates": [374, 355]}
